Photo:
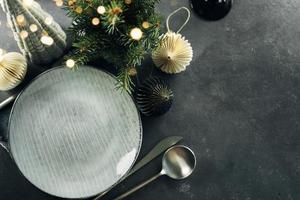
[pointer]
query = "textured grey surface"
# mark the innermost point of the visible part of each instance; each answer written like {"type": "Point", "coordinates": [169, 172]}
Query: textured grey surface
{"type": "Point", "coordinates": [237, 107]}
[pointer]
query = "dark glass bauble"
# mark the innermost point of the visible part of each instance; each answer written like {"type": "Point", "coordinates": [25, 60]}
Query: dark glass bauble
{"type": "Point", "coordinates": [154, 97]}
{"type": "Point", "coordinates": [212, 9]}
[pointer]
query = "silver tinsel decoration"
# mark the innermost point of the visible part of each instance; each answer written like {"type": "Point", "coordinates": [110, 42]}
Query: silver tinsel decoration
{"type": "Point", "coordinates": [40, 39]}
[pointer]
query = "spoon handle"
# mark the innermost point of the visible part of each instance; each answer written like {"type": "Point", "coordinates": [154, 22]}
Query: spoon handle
{"type": "Point", "coordinates": [136, 188]}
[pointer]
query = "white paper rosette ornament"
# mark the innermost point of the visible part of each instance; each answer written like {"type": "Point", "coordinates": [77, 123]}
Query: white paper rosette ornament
{"type": "Point", "coordinates": [13, 67]}
{"type": "Point", "coordinates": [174, 52]}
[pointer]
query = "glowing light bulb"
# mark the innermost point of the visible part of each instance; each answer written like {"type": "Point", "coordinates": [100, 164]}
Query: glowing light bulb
{"type": "Point", "coordinates": [59, 3]}
{"type": "Point", "coordinates": [136, 33]}
{"type": "Point", "coordinates": [24, 34]}
{"type": "Point", "coordinates": [95, 21]}
{"type": "Point", "coordinates": [27, 2]}
{"type": "Point", "coordinates": [70, 63]}
{"type": "Point", "coordinates": [33, 28]}
{"type": "Point", "coordinates": [47, 40]}
{"type": "Point", "coordinates": [48, 20]}
{"type": "Point", "coordinates": [101, 10]}
{"type": "Point", "coordinates": [20, 20]}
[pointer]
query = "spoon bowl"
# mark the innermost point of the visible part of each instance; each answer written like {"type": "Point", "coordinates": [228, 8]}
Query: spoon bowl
{"type": "Point", "coordinates": [179, 162]}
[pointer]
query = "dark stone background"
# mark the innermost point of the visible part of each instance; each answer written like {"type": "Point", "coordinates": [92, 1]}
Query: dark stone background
{"type": "Point", "coordinates": [237, 107]}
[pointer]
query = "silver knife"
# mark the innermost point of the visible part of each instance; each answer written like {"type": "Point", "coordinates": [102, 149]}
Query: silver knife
{"type": "Point", "coordinates": [160, 148]}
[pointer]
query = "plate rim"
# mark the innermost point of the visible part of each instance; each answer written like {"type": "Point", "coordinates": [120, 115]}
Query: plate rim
{"type": "Point", "coordinates": [12, 112]}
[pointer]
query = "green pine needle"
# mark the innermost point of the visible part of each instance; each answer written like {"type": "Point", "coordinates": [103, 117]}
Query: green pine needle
{"type": "Point", "coordinates": [111, 39]}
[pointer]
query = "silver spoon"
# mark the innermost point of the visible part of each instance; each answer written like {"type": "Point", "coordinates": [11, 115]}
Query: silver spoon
{"type": "Point", "coordinates": [178, 163]}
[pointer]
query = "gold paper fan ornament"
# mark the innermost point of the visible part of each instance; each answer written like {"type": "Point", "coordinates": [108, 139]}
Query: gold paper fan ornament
{"type": "Point", "coordinates": [13, 67]}
{"type": "Point", "coordinates": [174, 52]}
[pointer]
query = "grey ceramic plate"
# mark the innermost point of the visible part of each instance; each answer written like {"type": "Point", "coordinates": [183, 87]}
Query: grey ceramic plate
{"type": "Point", "coordinates": [72, 134]}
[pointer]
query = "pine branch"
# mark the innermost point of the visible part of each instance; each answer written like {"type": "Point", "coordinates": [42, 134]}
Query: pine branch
{"type": "Point", "coordinates": [111, 39]}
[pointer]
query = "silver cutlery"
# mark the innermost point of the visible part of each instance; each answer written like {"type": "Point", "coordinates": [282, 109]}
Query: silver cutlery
{"type": "Point", "coordinates": [178, 163]}
{"type": "Point", "coordinates": [161, 147]}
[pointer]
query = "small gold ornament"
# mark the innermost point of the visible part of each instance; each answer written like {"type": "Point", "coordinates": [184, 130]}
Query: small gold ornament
{"type": "Point", "coordinates": [116, 10]}
{"type": "Point", "coordinates": [13, 67]}
{"type": "Point", "coordinates": [174, 52]}
{"type": "Point", "coordinates": [145, 25]}
{"type": "Point", "coordinates": [79, 10]}
{"type": "Point", "coordinates": [83, 49]}
{"type": "Point", "coordinates": [71, 3]}
{"type": "Point", "coordinates": [127, 2]}
{"type": "Point", "coordinates": [132, 71]}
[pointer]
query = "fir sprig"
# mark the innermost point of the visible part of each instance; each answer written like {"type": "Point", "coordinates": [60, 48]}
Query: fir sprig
{"type": "Point", "coordinates": [111, 38]}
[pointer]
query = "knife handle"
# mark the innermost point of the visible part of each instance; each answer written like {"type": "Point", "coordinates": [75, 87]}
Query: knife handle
{"type": "Point", "coordinates": [7, 101]}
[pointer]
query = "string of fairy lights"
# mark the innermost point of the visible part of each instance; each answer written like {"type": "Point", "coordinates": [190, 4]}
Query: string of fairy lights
{"type": "Point", "coordinates": [21, 21]}
{"type": "Point", "coordinates": [135, 33]}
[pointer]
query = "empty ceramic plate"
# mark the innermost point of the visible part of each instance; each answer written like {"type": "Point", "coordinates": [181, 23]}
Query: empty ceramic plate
{"type": "Point", "coordinates": [72, 134]}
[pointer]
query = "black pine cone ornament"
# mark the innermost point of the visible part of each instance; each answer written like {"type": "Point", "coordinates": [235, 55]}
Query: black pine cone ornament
{"type": "Point", "coordinates": [154, 97]}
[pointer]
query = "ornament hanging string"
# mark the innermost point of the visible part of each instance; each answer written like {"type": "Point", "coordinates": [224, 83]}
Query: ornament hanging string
{"type": "Point", "coordinates": [176, 11]}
